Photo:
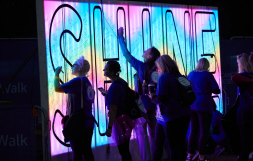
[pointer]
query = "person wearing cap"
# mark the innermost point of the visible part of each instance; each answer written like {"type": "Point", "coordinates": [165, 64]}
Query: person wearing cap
{"type": "Point", "coordinates": [80, 146]}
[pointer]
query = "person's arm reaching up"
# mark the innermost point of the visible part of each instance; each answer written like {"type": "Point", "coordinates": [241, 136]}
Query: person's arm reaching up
{"type": "Point", "coordinates": [123, 46]}
{"type": "Point", "coordinates": [135, 63]}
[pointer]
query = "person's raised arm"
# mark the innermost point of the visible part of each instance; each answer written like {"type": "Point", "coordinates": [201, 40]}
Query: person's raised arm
{"type": "Point", "coordinates": [122, 44]}
{"type": "Point", "coordinates": [135, 63]}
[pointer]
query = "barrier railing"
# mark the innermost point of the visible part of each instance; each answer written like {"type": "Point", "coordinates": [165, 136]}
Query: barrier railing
{"type": "Point", "coordinates": [45, 133]}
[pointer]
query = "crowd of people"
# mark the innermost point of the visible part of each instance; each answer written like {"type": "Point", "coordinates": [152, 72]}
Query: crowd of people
{"type": "Point", "coordinates": [162, 132]}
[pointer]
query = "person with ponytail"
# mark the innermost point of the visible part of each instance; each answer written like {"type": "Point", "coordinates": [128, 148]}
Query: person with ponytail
{"type": "Point", "coordinates": [144, 71]}
{"type": "Point", "coordinates": [80, 146]}
{"type": "Point", "coordinates": [120, 125]}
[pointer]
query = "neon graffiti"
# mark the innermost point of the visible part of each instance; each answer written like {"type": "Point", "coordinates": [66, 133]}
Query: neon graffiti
{"type": "Point", "coordinates": [72, 29]}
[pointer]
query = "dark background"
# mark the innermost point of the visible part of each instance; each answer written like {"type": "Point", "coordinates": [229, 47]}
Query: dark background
{"type": "Point", "coordinates": [18, 18]}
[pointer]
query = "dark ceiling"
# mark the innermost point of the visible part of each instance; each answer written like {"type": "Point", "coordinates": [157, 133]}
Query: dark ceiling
{"type": "Point", "coordinates": [18, 18]}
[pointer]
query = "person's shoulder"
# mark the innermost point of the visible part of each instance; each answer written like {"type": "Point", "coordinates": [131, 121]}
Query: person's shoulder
{"type": "Point", "coordinates": [119, 83]}
{"type": "Point", "coordinates": [86, 80]}
{"type": "Point", "coordinates": [251, 74]}
{"type": "Point", "coordinates": [247, 74]}
{"type": "Point", "coordinates": [74, 80]}
{"type": "Point", "coordinates": [204, 72]}
{"type": "Point", "coordinates": [78, 80]}
{"type": "Point", "coordinates": [113, 86]}
{"type": "Point", "coordinates": [171, 75]}
{"type": "Point", "coordinates": [207, 74]}
{"type": "Point", "coordinates": [123, 81]}
{"type": "Point", "coordinates": [164, 75]}
{"type": "Point", "coordinates": [192, 72]}
{"type": "Point", "coordinates": [71, 86]}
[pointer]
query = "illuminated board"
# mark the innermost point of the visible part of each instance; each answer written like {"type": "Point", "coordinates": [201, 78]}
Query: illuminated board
{"type": "Point", "coordinates": [89, 29]}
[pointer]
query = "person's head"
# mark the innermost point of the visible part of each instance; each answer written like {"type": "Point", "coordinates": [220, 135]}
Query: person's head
{"type": "Point", "coordinates": [243, 63]}
{"type": "Point", "coordinates": [81, 67]}
{"type": "Point", "coordinates": [112, 69]}
{"type": "Point", "coordinates": [251, 60]}
{"type": "Point", "coordinates": [150, 55]}
{"type": "Point", "coordinates": [203, 64]}
{"type": "Point", "coordinates": [165, 64]}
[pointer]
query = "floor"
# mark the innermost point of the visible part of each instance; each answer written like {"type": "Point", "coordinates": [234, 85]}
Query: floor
{"type": "Point", "coordinates": [224, 158]}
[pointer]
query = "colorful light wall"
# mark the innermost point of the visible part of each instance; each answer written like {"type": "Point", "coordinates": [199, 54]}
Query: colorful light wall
{"type": "Point", "coordinates": [89, 28]}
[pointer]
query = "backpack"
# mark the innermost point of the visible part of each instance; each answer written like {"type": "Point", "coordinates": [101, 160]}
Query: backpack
{"type": "Point", "coordinates": [186, 94]}
{"type": "Point", "coordinates": [134, 106]}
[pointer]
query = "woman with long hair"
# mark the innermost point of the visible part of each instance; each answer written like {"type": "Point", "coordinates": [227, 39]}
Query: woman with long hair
{"type": "Point", "coordinates": [245, 108]}
{"type": "Point", "coordinates": [120, 125]}
{"type": "Point", "coordinates": [202, 108]}
{"type": "Point", "coordinates": [176, 117]}
{"type": "Point", "coordinates": [81, 146]}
